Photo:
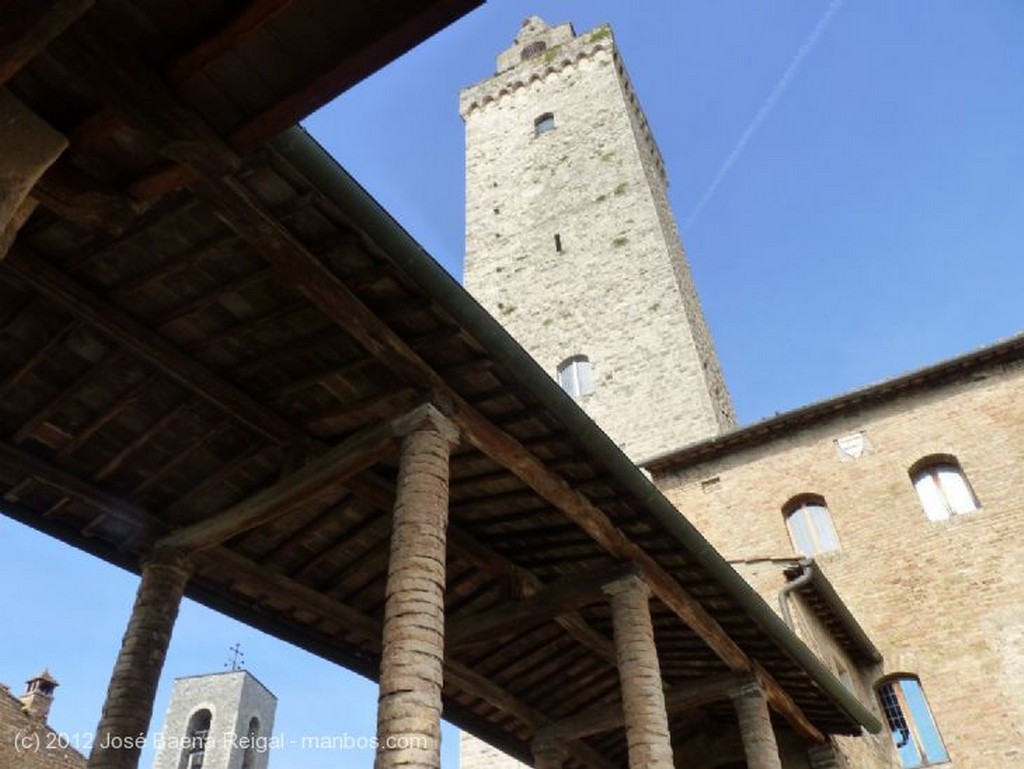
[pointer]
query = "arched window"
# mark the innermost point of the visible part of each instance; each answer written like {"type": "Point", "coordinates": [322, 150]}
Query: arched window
{"type": "Point", "coordinates": [910, 722]}
{"type": "Point", "coordinates": [536, 48]}
{"type": "Point", "coordinates": [942, 487]}
{"type": "Point", "coordinates": [574, 376]}
{"type": "Point", "coordinates": [544, 123]}
{"type": "Point", "coordinates": [252, 738]}
{"type": "Point", "coordinates": [810, 525]}
{"type": "Point", "coordinates": [193, 748]}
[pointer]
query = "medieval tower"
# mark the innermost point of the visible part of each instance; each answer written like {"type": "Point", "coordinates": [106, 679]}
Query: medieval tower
{"type": "Point", "coordinates": [217, 721]}
{"type": "Point", "coordinates": [571, 244]}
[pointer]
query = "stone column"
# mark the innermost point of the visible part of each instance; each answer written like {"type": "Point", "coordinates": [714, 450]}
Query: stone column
{"type": "Point", "coordinates": [756, 727]}
{"type": "Point", "coordinates": [412, 659]}
{"type": "Point", "coordinates": [549, 755]}
{"type": "Point", "coordinates": [643, 698]}
{"type": "Point", "coordinates": [129, 703]}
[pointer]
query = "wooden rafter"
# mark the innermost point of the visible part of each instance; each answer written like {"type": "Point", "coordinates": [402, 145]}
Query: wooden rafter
{"type": "Point", "coordinates": [554, 600]}
{"type": "Point", "coordinates": [147, 344]}
{"type": "Point", "coordinates": [30, 31]}
{"type": "Point", "coordinates": [251, 18]}
{"type": "Point", "coordinates": [326, 474]}
{"type": "Point", "coordinates": [682, 697]}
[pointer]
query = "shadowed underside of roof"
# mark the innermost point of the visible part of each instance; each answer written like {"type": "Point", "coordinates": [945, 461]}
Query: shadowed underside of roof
{"type": "Point", "coordinates": [199, 325]}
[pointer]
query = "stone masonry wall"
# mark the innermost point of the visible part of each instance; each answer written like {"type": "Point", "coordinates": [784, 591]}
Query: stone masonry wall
{"type": "Point", "coordinates": [232, 698]}
{"type": "Point", "coordinates": [942, 600]}
{"type": "Point", "coordinates": [619, 290]}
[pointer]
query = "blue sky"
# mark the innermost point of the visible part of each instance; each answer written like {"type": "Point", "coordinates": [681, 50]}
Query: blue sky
{"type": "Point", "coordinates": [849, 178]}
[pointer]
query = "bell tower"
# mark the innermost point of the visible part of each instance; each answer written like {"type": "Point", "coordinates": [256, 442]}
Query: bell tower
{"type": "Point", "coordinates": [571, 245]}
{"type": "Point", "coordinates": [217, 721]}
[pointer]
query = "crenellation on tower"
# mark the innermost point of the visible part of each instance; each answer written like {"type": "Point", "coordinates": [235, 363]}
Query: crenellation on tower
{"type": "Point", "coordinates": [571, 244]}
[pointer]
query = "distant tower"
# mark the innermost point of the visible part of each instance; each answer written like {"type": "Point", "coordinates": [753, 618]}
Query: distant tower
{"type": "Point", "coordinates": [38, 696]}
{"type": "Point", "coordinates": [217, 721]}
{"type": "Point", "coordinates": [571, 244]}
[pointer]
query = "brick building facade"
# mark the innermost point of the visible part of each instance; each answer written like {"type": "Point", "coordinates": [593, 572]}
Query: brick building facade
{"type": "Point", "coordinates": [883, 525]}
{"type": "Point", "coordinates": [26, 740]}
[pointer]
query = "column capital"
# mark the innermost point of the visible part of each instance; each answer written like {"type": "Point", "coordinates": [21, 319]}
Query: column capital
{"type": "Point", "coordinates": [748, 688]}
{"type": "Point", "coordinates": [628, 584]}
{"type": "Point", "coordinates": [427, 417]}
{"type": "Point", "coordinates": [169, 558]}
{"type": "Point", "coordinates": [550, 750]}
{"type": "Point", "coordinates": [549, 755]}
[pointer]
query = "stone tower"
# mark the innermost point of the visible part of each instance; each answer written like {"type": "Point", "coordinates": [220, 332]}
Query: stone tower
{"type": "Point", "coordinates": [217, 721]}
{"type": "Point", "coordinates": [571, 244]}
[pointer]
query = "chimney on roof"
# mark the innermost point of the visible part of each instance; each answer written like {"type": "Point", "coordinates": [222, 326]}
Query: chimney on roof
{"type": "Point", "coordinates": [38, 695]}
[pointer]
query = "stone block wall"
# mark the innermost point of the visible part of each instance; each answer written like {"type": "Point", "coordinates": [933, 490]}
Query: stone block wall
{"type": "Point", "coordinates": [571, 245]}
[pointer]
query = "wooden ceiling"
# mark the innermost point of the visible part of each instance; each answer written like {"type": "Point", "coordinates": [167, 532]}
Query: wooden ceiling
{"type": "Point", "coordinates": [208, 333]}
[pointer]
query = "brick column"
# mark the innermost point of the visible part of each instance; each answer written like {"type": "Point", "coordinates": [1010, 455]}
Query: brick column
{"type": "Point", "coordinates": [29, 146]}
{"type": "Point", "coordinates": [409, 706]}
{"type": "Point", "coordinates": [548, 755]}
{"type": "Point", "coordinates": [132, 688]}
{"type": "Point", "coordinates": [643, 698]}
{"type": "Point", "coordinates": [756, 727]}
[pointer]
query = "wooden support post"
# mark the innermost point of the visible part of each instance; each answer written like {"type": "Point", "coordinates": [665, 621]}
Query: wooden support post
{"type": "Point", "coordinates": [129, 703]}
{"type": "Point", "coordinates": [412, 659]}
{"type": "Point", "coordinates": [759, 744]}
{"type": "Point", "coordinates": [549, 755]}
{"type": "Point", "coordinates": [643, 698]}
{"type": "Point", "coordinates": [29, 146]}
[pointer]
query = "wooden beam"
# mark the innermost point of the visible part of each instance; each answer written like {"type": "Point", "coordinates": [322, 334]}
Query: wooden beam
{"type": "Point", "coordinates": [123, 329]}
{"type": "Point", "coordinates": [73, 196]}
{"type": "Point", "coordinates": [357, 65]}
{"type": "Point", "coordinates": [252, 17]}
{"type": "Point", "coordinates": [680, 698]}
{"type": "Point", "coordinates": [490, 561]}
{"type": "Point", "coordinates": [31, 28]}
{"type": "Point", "coordinates": [780, 701]}
{"type": "Point", "coordinates": [326, 474]}
{"type": "Point", "coordinates": [552, 601]}
{"type": "Point", "coordinates": [73, 486]}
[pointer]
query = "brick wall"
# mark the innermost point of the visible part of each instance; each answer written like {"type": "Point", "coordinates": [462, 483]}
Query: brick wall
{"type": "Point", "coordinates": [942, 600]}
{"type": "Point", "coordinates": [27, 743]}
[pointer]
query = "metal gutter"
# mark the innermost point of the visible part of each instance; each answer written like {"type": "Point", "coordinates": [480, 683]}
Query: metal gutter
{"type": "Point", "coordinates": [821, 584]}
{"type": "Point", "coordinates": [308, 157]}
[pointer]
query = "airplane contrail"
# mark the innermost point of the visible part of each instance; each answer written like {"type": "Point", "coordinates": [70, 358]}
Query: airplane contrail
{"type": "Point", "coordinates": [766, 108]}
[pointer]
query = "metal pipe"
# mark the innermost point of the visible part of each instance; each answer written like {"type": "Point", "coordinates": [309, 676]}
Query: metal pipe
{"type": "Point", "coordinates": [789, 587]}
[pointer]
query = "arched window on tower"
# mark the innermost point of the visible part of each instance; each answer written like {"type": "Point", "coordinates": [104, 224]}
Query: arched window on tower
{"type": "Point", "coordinates": [942, 487]}
{"type": "Point", "coordinates": [251, 744]}
{"type": "Point", "coordinates": [810, 525]}
{"type": "Point", "coordinates": [544, 123]}
{"type": "Point", "coordinates": [910, 722]}
{"type": "Point", "coordinates": [574, 376]}
{"type": "Point", "coordinates": [532, 50]}
{"type": "Point", "coordinates": [196, 734]}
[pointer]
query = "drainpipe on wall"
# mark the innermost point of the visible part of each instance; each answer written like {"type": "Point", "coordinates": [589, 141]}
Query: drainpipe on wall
{"type": "Point", "coordinates": [796, 584]}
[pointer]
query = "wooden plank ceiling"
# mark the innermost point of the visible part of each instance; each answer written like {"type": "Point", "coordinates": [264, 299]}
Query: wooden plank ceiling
{"type": "Point", "coordinates": [198, 342]}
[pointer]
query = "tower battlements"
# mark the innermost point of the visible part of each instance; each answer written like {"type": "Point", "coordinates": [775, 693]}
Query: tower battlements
{"type": "Point", "coordinates": [557, 48]}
